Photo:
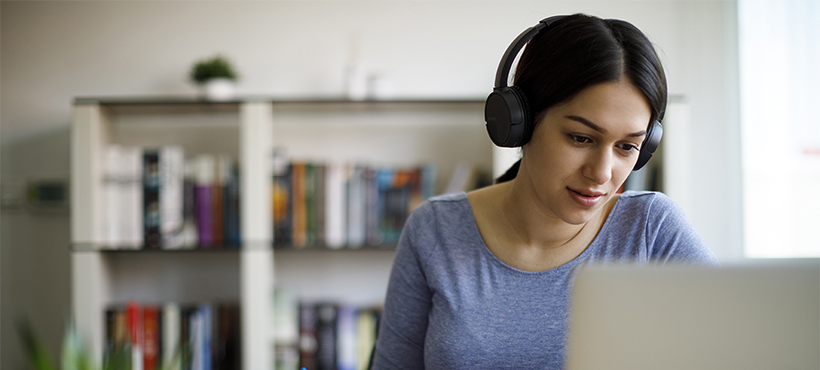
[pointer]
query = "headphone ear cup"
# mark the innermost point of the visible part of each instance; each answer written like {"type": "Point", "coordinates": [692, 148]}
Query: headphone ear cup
{"type": "Point", "coordinates": [649, 145]}
{"type": "Point", "coordinates": [527, 124]}
{"type": "Point", "coordinates": [506, 113]}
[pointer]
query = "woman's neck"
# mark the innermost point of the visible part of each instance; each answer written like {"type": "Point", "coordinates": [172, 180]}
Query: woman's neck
{"type": "Point", "coordinates": [523, 235]}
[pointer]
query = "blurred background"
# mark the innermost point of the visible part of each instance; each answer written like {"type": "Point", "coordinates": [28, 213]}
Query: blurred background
{"type": "Point", "coordinates": [742, 69]}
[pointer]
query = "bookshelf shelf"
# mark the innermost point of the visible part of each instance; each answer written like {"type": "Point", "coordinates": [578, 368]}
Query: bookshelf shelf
{"type": "Point", "coordinates": [79, 248]}
{"type": "Point", "coordinates": [445, 134]}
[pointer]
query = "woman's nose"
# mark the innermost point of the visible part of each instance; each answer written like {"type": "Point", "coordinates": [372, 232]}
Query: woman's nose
{"type": "Point", "coordinates": [598, 167]}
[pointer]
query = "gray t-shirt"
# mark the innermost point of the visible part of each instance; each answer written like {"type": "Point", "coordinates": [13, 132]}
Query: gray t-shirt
{"type": "Point", "coordinates": [451, 304]}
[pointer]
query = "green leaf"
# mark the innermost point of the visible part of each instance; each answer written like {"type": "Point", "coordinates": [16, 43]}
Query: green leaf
{"type": "Point", "coordinates": [38, 357]}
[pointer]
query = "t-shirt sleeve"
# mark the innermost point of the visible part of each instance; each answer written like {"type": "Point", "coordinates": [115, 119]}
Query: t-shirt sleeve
{"type": "Point", "coordinates": [403, 325]}
{"type": "Point", "coordinates": [671, 237]}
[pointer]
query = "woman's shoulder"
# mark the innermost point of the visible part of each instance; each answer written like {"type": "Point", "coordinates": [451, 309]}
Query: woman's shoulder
{"type": "Point", "coordinates": [638, 209]}
{"type": "Point", "coordinates": [445, 204]}
{"type": "Point", "coordinates": [644, 201]}
{"type": "Point", "coordinates": [440, 211]}
{"type": "Point", "coordinates": [438, 221]}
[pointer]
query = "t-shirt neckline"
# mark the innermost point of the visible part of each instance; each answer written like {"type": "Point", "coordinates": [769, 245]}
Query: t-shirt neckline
{"type": "Point", "coordinates": [560, 269]}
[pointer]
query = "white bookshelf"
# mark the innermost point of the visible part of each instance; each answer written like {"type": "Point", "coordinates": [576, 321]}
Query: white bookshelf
{"type": "Point", "coordinates": [396, 133]}
{"type": "Point", "coordinates": [241, 129]}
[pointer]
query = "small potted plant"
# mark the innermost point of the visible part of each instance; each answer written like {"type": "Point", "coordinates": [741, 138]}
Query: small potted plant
{"type": "Point", "coordinates": [216, 76]}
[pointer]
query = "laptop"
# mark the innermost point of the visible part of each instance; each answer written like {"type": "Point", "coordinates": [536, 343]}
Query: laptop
{"type": "Point", "coordinates": [758, 315]}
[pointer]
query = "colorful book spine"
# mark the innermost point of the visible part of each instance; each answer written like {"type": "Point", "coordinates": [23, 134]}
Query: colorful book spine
{"type": "Point", "coordinates": [152, 237]}
{"type": "Point", "coordinates": [282, 198]}
{"type": "Point", "coordinates": [310, 204]}
{"type": "Point", "coordinates": [332, 335]}
{"type": "Point", "coordinates": [227, 348]}
{"type": "Point", "coordinates": [171, 336]}
{"type": "Point", "coordinates": [320, 203]}
{"type": "Point", "coordinates": [132, 204]}
{"type": "Point", "coordinates": [151, 338]}
{"type": "Point", "coordinates": [134, 317]}
{"type": "Point", "coordinates": [204, 200]}
{"type": "Point", "coordinates": [232, 228]}
{"type": "Point", "coordinates": [221, 175]}
{"type": "Point", "coordinates": [206, 332]}
{"type": "Point", "coordinates": [299, 210]}
{"type": "Point", "coordinates": [372, 201]}
{"type": "Point", "coordinates": [190, 233]}
{"type": "Point", "coordinates": [171, 196]}
{"type": "Point", "coordinates": [336, 205]}
{"type": "Point", "coordinates": [308, 342]}
{"type": "Point", "coordinates": [365, 337]}
{"type": "Point", "coordinates": [356, 216]}
{"type": "Point", "coordinates": [346, 326]}
{"type": "Point", "coordinates": [339, 205]}
{"type": "Point", "coordinates": [326, 336]}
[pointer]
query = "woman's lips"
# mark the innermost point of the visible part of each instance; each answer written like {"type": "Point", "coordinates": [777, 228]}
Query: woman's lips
{"type": "Point", "coordinates": [586, 198]}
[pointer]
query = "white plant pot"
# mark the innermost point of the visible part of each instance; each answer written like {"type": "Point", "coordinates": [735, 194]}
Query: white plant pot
{"type": "Point", "coordinates": [219, 89]}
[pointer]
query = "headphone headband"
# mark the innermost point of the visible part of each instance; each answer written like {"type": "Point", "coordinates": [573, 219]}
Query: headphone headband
{"type": "Point", "coordinates": [503, 72]}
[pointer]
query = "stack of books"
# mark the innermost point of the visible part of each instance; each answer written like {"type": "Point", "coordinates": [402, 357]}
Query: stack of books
{"type": "Point", "coordinates": [172, 336]}
{"type": "Point", "coordinates": [323, 335]}
{"type": "Point", "coordinates": [155, 198]}
{"type": "Point", "coordinates": [344, 205]}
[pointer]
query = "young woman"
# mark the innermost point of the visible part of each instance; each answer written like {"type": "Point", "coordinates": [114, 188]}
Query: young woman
{"type": "Point", "coordinates": [482, 280]}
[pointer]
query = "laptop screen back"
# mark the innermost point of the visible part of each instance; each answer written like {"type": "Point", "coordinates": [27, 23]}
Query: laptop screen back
{"type": "Point", "coordinates": [764, 315]}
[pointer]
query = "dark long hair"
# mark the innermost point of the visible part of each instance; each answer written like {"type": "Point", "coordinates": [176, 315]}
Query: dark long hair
{"type": "Point", "coordinates": [580, 51]}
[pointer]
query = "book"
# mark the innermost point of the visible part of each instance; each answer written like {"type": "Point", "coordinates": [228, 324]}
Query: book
{"type": "Point", "coordinates": [171, 336]}
{"type": "Point", "coordinates": [356, 207]}
{"type": "Point", "coordinates": [384, 186]}
{"type": "Point", "coordinates": [308, 342]}
{"type": "Point", "coordinates": [310, 203]}
{"type": "Point", "coordinates": [372, 202]}
{"type": "Point", "coordinates": [196, 339]}
{"type": "Point", "coordinates": [299, 209]}
{"type": "Point", "coordinates": [335, 205]}
{"type": "Point", "coordinates": [151, 330]}
{"type": "Point", "coordinates": [222, 174]}
{"type": "Point", "coordinates": [190, 232]}
{"type": "Point", "coordinates": [326, 334]}
{"type": "Point", "coordinates": [320, 203]}
{"type": "Point", "coordinates": [204, 209]}
{"type": "Point", "coordinates": [206, 318]}
{"type": "Point", "coordinates": [286, 329]}
{"type": "Point", "coordinates": [347, 318]}
{"type": "Point", "coordinates": [152, 236]}
{"type": "Point", "coordinates": [282, 199]}
{"type": "Point", "coordinates": [172, 196]}
{"type": "Point", "coordinates": [227, 345]}
{"type": "Point", "coordinates": [134, 323]}
{"type": "Point", "coordinates": [132, 202]}
{"type": "Point", "coordinates": [117, 339]}
{"type": "Point", "coordinates": [365, 337]}
{"type": "Point", "coordinates": [285, 317]}
{"type": "Point", "coordinates": [232, 198]}
{"type": "Point", "coordinates": [185, 338]}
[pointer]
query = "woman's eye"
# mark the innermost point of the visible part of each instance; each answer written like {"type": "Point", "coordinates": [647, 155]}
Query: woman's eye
{"type": "Point", "coordinates": [580, 139]}
{"type": "Point", "coordinates": [628, 147]}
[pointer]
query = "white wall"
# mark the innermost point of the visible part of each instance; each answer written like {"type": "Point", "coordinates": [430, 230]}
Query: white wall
{"type": "Point", "coordinates": [54, 51]}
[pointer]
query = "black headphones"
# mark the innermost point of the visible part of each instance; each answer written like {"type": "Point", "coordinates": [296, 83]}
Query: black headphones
{"type": "Point", "coordinates": [507, 114]}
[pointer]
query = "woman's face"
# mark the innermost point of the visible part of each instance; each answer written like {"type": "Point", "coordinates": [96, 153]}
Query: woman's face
{"type": "Point", "coordinates": [583, 150]}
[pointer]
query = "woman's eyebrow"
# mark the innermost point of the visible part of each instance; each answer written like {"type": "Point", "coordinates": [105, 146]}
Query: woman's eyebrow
{"type": "Point", "coordinates": [600, 129]}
